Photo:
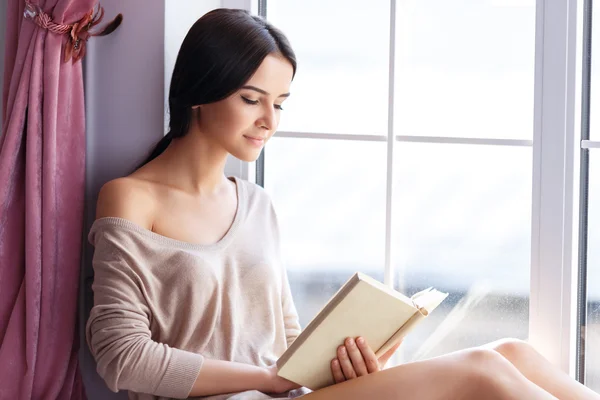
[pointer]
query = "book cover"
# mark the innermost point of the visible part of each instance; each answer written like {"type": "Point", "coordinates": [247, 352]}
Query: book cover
{"type": "Point", "coordinates": [363, 307]}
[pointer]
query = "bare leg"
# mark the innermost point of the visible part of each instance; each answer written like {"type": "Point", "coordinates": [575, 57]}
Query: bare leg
{"type": "Point", "coordinates": [541, 372]}
{"type": "Point", "coordinates": [476, 374]}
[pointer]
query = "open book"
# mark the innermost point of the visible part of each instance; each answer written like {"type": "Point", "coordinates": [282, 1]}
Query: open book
{"type": "Point", "coordinates": [362, 307]}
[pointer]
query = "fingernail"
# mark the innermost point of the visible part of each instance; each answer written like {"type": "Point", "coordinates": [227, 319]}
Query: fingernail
{"type": "Point", "coordinates": [350, 342]}
{"type": "Point", "coordinates": [360, 340]}
{"type": "Point", "coordinates": [343, 350]}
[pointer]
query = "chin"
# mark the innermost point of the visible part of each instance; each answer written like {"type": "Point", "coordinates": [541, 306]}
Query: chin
{"type": "Point", "coordinates": [247, 156]}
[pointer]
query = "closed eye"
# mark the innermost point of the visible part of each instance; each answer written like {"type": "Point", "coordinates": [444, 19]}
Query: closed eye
{"type": "Point", "coordinates": [254, 102]}
{"type": "Point", "coordinates": [249, 101]}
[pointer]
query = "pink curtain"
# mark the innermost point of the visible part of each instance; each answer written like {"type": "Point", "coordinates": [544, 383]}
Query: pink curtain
{"type": "Point", "coordinates": [42, 169]}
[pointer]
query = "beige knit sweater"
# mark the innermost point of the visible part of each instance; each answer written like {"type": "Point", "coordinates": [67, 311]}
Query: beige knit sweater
{"type": "Point", "coordinates": [161, 306]}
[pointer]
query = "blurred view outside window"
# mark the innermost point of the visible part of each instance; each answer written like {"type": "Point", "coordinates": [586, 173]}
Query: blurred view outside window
{"type": "Point", "coordinates": [462, 212]}
{"type": "Point", "coordinates": [592, 367]}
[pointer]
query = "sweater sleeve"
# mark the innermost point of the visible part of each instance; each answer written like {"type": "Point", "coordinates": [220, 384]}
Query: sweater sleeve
{"type": "Point", "coordinates": [290, 315]}
{"type": "Point", "coordinates": [118, 332]}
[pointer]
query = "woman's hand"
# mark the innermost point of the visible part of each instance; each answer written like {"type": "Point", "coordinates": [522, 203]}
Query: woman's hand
{"type": "Point", "coordinates": [356, 358]}
{"type": "Point", "coordinates": [277, 384]}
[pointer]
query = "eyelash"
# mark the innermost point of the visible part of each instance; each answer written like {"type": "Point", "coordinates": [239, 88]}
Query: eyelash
{"type": "Point", "coordinates": [255, 102]}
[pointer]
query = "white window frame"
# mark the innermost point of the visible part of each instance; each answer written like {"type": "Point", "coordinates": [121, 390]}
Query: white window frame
{"type": "Point", "coordinates": [554, 236]}
{"type": "Point", "coordinates": [554, 233]}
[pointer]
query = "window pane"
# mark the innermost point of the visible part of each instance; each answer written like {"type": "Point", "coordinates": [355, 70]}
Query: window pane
{"type": "Point", "coordinates": [342, 49]}
{"type": "Point", "coordinates": [595, 73]}
{"type": "Point", "coordinates": [330, 201]}
{"type": "Point", "coordinates": [463, 223]}
{"type": "Point", "coordinates": [592, 367]}
{"type": "Point", "coordinates": [465, 68]}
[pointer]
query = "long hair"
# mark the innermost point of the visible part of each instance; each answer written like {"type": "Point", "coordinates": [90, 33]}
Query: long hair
{"type": "Point", "coordinates": [220, 53]}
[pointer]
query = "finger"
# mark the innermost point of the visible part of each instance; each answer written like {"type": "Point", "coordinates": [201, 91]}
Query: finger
{"type": "Point", "coordinates": [345, 363]}
{"type": "Point", "coordinates": [336, 371]}
{"type": "Point", "coordinates": [356, 357]}
{"type": "Point", "coordinates": [370, 359]}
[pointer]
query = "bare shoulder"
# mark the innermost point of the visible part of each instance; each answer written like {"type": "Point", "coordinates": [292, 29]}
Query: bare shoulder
{"type": "Point", "coordinates": [129, 198]}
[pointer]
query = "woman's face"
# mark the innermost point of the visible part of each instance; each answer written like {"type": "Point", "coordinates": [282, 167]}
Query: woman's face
{"type": "Point", "coordinates": [245, 121]}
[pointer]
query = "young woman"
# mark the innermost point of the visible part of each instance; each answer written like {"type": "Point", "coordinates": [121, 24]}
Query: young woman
{"type": "Point", "coordinates": [190, 297]}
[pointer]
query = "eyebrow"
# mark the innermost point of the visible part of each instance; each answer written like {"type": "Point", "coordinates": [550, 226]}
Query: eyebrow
{"type": "Point", "coordinates": [262, 91]}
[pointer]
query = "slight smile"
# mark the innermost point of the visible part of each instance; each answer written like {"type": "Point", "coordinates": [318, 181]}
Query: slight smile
{"type": "Point", "coordinates": [255, 140]}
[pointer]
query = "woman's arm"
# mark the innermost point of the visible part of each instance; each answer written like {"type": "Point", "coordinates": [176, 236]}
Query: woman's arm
{"type": "Point", "coordinates": [120, 340]}
{"type": "Point", "coordinates": [118, 330]}
{"type": "Point", "coordinates": [291, 320]}
{"type": "Point", "coordinates": [218, 376]}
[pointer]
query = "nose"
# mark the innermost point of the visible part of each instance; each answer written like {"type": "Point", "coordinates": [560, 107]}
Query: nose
{"type": "Point", "coordinates": [268, 119]}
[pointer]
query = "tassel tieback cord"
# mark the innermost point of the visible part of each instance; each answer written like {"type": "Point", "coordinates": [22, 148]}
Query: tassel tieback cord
{"type": "Point", "coordinates": [79, 32]}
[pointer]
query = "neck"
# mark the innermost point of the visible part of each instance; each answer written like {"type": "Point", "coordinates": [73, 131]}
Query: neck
{"type": "Point", "coordinates": [195, 164]}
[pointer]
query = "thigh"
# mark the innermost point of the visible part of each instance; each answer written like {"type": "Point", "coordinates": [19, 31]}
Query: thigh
{"type": "Point", "coordinates": [447, 377]}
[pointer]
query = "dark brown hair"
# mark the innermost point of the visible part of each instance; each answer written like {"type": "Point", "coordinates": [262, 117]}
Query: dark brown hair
{"type": "Point", "coordinates": [220, 53]}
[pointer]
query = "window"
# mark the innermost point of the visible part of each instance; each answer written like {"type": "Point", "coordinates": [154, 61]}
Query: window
{"type": "Point", "coordinates": [590, 193]}
{"type": "Point", "coordinates": [463, 91]}
{"type": "Point", "coordinates": [342, 45]}
{"type": "Point", "coordinates": [465, 68]}
{"type": "Point", "coordinates": [592, 343]}
{"type": "Point", "coordinates": [436, 143]}
{"type": "Point", "coordinates": [463, 210]}
{"type": "Point", "coordinates": [331, 210]}
{"type": "Point", "coordinates": [463, 221]}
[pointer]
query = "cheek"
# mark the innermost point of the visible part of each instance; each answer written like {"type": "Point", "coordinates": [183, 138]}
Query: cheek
{"type": "Point", "coordinates": [219, 119]}
{"type": "Point", "coordinates": [230, 119]}
{"type": "Point", "coordinates": [235, 110]}
{"type": "Point", "coordinates": [242, 117]}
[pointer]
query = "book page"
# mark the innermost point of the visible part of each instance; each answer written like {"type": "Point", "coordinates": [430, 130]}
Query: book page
{"type": "Point", "coordinates": [426, 301]}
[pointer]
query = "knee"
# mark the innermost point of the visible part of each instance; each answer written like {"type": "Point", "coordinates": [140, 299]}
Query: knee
{"type": "Point", "coordinates": [489, 374]}
{"type": "Point", "coordinates": [486, 367]}
{"type": "Point", "coordinates": [484, 360]}
{"type": "Point", "coordinates": [514, 350]}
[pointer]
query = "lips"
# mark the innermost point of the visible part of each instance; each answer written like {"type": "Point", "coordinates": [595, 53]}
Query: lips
{"type": "Point", "coordinates": [254, 137]}
{"type": "Point", "coordinates": [256, 141]}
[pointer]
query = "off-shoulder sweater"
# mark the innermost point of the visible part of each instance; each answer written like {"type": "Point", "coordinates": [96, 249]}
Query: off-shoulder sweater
{"type": "Point", "coordinates": [162, 306]}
